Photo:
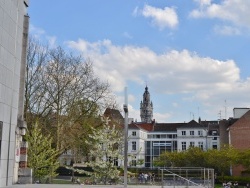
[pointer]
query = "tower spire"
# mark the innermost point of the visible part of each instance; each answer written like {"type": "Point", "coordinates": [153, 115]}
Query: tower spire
{"type": "Point", "coordinates": [146, 107]}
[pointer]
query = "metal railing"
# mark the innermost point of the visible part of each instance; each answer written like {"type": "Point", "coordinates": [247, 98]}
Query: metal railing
{"type": "Point", "coordinates": [187, 177]}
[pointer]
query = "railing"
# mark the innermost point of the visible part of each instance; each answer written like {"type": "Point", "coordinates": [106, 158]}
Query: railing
{"type": "Point", "coordinates": [187, 177]}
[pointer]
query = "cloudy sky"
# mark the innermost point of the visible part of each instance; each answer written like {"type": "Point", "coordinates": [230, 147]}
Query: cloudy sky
{"type": "Point", "coordinates": [192, 54]}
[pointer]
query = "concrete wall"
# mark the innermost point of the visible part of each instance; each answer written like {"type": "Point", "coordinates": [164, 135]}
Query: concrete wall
{"type": "Point", "coordinates": [11, 34]}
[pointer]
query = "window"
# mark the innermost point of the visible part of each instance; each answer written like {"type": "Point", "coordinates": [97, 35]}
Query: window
{"type": "Point", "coordinates": [133, 161]}
{"type": "Point", "coordinates": [191, 144]}
{"type": "Point", "coordinates": [115, 161]}
{"type": "Point", "coordinates": [214, 133]}
{"type": "Point", "coordinates": [183, 132]}
{"type": "Point", "coordinates": [150, 136]}
{"type": "Point", "coordinates": [183, 146]}
{"type": "Point", "coordinates": [133, 146]}
{"type": "Point", "coordinates": [156, 136]}
{"type": "Point", "coordinates": [134, 133]}
{"type": "Point", "coordinates": [200, 133]}
{"type": "Point", "coordinates": [214, 145]}
{"type": "Point", "coordinates": [191, 132]}
{"type": "Point", "coordinates": [214, 138]}
{"type": "Point", "coordinates": [200, 144]}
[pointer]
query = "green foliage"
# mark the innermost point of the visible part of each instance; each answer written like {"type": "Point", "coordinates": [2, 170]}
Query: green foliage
{"type": "Point", "coordinates": [243, 159]}
{"type": "Point", "coordinates": [42, 157]}
{"type": "Point", "coordinates": [220, 160]}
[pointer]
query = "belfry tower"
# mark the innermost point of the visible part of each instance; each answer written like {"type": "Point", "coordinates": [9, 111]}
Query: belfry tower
{"type": "Point", "coordinates": [146, 107]}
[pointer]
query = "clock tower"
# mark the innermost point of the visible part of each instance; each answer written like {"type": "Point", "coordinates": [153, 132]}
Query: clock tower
{"type": "Point", "coordinates": [146, 107]}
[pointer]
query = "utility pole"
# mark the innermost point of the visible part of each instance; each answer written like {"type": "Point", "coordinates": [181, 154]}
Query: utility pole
{"type": "Point", "coordinates": [125, 108]}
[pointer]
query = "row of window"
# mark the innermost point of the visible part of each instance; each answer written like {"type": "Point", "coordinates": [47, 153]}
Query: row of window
{"type": "Point", "coordinates": [191, 133]}
{"type": "Point", "coordinates": [158, 135]}
{"type": "Point", "coordinates": [183, 133]}
{"type": "Point", "coordinates": [191, 144]}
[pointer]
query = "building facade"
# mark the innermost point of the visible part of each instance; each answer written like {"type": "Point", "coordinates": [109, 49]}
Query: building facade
{"type": "Point", "coordinates": [148, 141]}
{"type": "Point", "coordinates": [13, 41]}
{"type": "Point", "coordinates": [239, 138]}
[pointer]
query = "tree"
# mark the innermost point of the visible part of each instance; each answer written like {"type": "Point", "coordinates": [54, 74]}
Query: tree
{"type": "Point", "coordinates": [222, 159]}
{"type": "Point", "coordinates": [171, 159]}
{"type": "Point", "coordinates": [42, 157]}
{"type": "Point", "coordinates": [107, 150]}
{"type": "Point", "coordinates": [83, 120]}
{"type": "Point", "coordinates": [195, 157]}
{"type": "Point", "coordinates": [37, 56]}
{"type": "Point", "coordinates": [56, 82]}
{"type": "Point", "coordinates": [243, 159]}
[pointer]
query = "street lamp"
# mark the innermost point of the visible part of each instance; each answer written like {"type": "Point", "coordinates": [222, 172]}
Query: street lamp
{"type": "Point", "coordinates": [125, 108]}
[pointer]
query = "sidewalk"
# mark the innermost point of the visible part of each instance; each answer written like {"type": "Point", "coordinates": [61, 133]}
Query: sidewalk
{"type": "Point", "coordinates": [79, 186]}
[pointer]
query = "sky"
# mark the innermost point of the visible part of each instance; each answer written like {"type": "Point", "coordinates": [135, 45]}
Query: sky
{"type": "Point", "coordinates": [193, 55]}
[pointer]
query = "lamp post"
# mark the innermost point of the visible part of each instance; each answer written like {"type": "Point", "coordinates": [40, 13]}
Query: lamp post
{"type": "Point", "coordinates": [125, 108]}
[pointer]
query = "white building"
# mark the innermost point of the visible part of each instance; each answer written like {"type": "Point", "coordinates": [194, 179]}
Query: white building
{"type": "Point", "coordinates": [136, 145]}
{"type": "Point", "coordinates": [148, 140]}
{"type": "Point", "coordinates": [13, 41]}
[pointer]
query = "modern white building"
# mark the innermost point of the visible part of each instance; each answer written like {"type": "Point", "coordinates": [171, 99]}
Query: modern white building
{"type": "Point", "coordinates": [13, 41]}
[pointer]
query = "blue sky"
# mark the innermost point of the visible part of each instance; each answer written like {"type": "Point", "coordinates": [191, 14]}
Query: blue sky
{"type": "Point", "coordinates": [192, 54]}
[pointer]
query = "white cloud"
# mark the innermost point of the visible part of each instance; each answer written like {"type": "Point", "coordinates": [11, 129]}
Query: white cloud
{"type": "Point", "coordinates": [41, 35]}
{"type": "Point", "coordinates": [161, 118]}
{"type": "Point", "coordinates": [207, 80]}
{"type": "Point", "coordinates": [187, 70]}
{"type": "Point", "coordinates": [232, 11]}
{"type": "Point", "coordinates": [127, 35]}
{"type": "Point", "coordinates": [203, 2]}
{"type": "Point", "coordinates": [226, 30]}
{"type": "Point", "coordinates": [35, 31]}
{"type": "Point", "coordinates": [52, 41]}
{"type": "Point", "coordinates": [162, 18]}
{"type": "Point", "coordinates": [135, 11]}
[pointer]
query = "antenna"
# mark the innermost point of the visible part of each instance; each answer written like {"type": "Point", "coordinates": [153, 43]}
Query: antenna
{"type": "Point", "coordinates": [219, 114]}
{"type": "Point", "coordinates": [225, 109]}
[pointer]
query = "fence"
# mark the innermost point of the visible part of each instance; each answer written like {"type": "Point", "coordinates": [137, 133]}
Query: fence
{"type": "Point", "coordinates": [187, 177]}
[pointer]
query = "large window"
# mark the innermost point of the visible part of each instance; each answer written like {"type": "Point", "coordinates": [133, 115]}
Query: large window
{"type": "Point", "coordinates": [134, 146]}
{"type": "Point", "coordinates": [134, 133]}
{"type": "Point", "coordinates": [183, 133]}
{"type": "Point", "coordinates": [191, 133]}
{"type": "Point", "coordinates": [183, 146]}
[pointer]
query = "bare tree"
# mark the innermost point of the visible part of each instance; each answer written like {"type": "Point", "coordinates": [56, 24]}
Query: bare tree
{"type": "Point", "coordinates": [56, 82]}
{"type": "Point", "coordinates": [37, 55]}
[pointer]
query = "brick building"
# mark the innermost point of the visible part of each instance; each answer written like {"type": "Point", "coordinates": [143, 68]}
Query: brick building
{"type": "Point", "coordinates": [239, 137]}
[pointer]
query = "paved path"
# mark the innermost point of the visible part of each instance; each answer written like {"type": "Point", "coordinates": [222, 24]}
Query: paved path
{"type": "Point", "coordinates": [79, 186]}
{"type": "Point", "coordinates": [93, 186]}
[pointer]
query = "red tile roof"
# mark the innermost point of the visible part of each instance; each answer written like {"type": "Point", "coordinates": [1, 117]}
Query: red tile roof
{"type": "Point", "coordinates": [144, 126]}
